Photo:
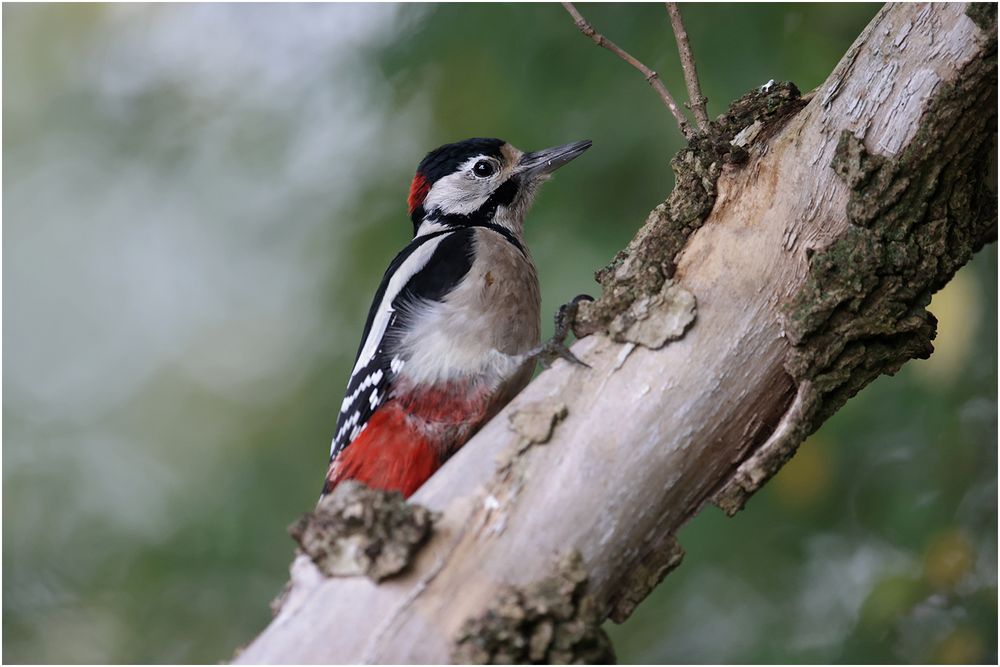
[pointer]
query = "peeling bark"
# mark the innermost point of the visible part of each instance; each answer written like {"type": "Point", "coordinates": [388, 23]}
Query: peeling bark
{"type": "Point", "coordinates": [811, 232]}
{"type": "Point", "coordinates": [535, 422]}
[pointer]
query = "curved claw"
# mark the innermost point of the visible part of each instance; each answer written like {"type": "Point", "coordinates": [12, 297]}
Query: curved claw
{"type": "Point", "coordinates": [560, 350]}
{"type": "Point", "coordinates": [566, 314]}
{"type": "Point", "coordinates": [556, 348]}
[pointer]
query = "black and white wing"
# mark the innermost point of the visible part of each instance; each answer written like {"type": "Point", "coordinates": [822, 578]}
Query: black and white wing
{"type": "Point", "coordinates": [425, 270]}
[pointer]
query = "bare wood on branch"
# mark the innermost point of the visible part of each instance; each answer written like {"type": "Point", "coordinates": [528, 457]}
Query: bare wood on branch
{"type": "Point", "coordinates": [697, 100]}
{"type": "Point", "coordinates": [827, 209]}
{"type": "Point", "coordinates": [652, 78]}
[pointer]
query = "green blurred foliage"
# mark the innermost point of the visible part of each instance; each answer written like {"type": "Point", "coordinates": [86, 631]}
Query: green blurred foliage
{"type": "Point", "coordinates": [199, 202]}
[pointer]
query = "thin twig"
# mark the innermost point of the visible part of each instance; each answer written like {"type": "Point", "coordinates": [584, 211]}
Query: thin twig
{"type": "Point", "coordinates": [698, 100]}
{"type": "Point", "coordinates": [652, 78]}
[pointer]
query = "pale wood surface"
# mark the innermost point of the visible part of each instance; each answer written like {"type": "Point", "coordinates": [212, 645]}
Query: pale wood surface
{"type": "Point", "coordinates": [649, 435]}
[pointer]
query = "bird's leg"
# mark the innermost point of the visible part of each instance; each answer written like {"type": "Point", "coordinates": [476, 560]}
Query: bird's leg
{"type": "Point", "coordinates": [555, 347]}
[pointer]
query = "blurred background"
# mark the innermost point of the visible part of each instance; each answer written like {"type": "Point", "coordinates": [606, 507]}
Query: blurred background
{"type": "Point", "coordinates": [199, 201]}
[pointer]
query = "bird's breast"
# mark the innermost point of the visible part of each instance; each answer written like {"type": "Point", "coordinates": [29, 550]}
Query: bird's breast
{"type": "Point", "coordinates": [478, 328]}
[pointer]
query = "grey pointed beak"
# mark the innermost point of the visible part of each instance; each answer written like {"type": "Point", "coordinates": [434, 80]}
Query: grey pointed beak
{"type": "Point", "coordinates": [548, 160]}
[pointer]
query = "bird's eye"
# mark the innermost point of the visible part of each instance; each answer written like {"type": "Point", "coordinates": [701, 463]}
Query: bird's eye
{"type": "Point", "coordinates": [484, 169]}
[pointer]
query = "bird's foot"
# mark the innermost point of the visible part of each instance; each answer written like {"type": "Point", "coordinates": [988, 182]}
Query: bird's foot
{"type": "Point", "coordinates": [555, 347]}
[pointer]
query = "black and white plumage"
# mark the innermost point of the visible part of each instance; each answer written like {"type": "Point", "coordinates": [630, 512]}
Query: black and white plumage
{"type": "Point", "coordinates": [425, 270]}
{"type": "Point", "coordinates": [450, 333]}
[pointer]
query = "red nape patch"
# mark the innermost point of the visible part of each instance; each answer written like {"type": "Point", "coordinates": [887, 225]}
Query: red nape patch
{"type": "Point", "coordinates": [389, 454]}
{"type": "Point", "coordinates": [418, 191]}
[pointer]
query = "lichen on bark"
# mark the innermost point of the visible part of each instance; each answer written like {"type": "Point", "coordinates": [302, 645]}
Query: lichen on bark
{"type": "Point", "coordinates": [356, 530]}
{"type": "Point", "coordinates": [914, 220]}
{"type": "Point", "coordinates": [649, 261]}
{"type": "Point", "coordinates": [553, 621]}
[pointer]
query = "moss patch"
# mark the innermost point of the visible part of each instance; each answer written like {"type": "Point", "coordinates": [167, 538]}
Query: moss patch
{"type": "Point", "coordinates": [915, 219]}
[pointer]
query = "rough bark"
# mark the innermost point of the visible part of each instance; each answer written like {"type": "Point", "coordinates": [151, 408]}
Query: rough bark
{"type": "Point", "coordinates": [811, 237]}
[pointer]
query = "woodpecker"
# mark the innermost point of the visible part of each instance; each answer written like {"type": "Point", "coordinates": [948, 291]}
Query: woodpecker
{"type": "Point", "coordinates": [453, 331]}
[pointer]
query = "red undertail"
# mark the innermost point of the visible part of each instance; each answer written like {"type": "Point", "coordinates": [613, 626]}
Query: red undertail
{"type": "Point", "coordinates": [409, 438]}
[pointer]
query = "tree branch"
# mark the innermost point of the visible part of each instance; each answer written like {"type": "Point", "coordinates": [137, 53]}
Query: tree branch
{"type": "Point", "coordinates": [821, 244]}
{"type": "Point", "coordinates": [697, 100]}
{"type": "Point", "coordinates": [652, 78]}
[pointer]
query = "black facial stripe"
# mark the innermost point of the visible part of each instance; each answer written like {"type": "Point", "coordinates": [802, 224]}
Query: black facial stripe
{"type": "Point", "coordinates": [483, 216]}
{"type": "Point", "coordinates": [505, 194]}
{"type": "Point", "coordinates": [502, 196]}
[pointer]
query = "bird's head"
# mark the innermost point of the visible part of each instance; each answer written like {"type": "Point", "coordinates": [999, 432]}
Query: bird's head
{"type": "Point", "coordinates": [482, 180]}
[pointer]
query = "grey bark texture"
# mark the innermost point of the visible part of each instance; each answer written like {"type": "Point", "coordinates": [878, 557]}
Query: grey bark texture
{"type": "Point", "coordinates": [804, 239]}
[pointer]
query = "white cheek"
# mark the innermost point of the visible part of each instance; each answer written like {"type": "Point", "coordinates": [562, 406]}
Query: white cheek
{"type": "Point", "coordinates": [457, 193]}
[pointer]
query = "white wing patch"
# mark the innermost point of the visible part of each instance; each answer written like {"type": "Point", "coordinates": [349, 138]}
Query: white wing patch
{"type": "Point", "coordinates": [373, 372]}
{"type": "Point", "coordinates": [409, 268]}
{"type": "Point", "coordinates": [396, 364]}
